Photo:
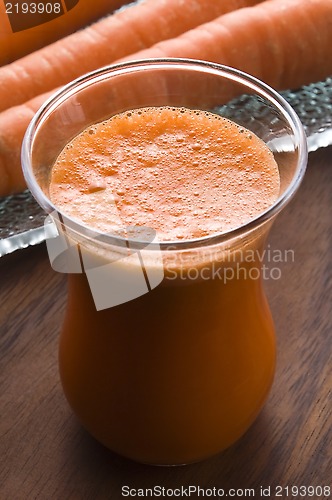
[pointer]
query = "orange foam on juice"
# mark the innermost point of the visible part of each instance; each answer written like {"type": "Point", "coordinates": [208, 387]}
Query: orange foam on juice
{"type": "Point", "coordinates": [184, 173]}
{"type": "Point", "coordinates": [181, 372]}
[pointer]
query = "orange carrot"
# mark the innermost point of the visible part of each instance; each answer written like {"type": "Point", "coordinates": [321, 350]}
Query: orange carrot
{"type": "Point", "coordinates": [285, 42]}
{"type": "Point", "coordinates": [13, 124]}
{"type": "Point", "coordinates": [26, 27]}
{"type": "Point", "coordinates": [127, 31]}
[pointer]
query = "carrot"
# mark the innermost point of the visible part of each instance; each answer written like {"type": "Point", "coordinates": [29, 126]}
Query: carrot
{"type": "Point", "coordinates": [127, 31]}
{"type": "Point", "coordinates": [13, 124]}
{"type": "Point", "coordinates": [284, 42]}
{"type": "Point", "coordinates": [25, 28]}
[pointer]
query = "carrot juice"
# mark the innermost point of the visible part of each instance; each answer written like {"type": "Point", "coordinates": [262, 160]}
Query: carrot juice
{"type": "Point", "coordinates": [179, 373]}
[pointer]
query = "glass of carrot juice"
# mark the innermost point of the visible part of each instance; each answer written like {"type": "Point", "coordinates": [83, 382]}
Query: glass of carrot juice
{"type": "Point", "coordinates": [162, 194]}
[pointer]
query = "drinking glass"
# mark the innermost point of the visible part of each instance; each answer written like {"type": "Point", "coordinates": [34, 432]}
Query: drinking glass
{"type": "Point", "coordinates": [173, 364]}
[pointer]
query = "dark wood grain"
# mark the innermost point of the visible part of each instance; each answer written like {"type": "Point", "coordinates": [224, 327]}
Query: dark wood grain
{"type": "Point", "coordinates": [44, 452]}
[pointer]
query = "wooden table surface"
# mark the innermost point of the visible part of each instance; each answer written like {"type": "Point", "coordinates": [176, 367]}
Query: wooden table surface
{"type": "Point", "coordinates": [44, 452]}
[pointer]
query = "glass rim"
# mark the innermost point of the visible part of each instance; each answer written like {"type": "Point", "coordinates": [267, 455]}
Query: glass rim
{"type": "Point", "coordinates": [211, 68]}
